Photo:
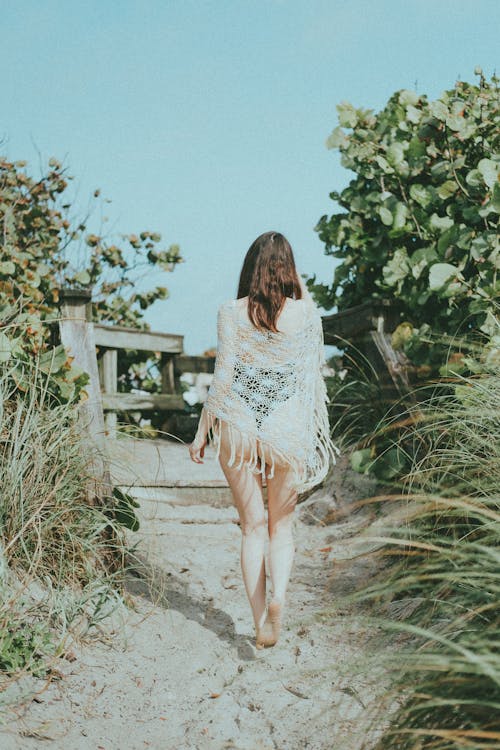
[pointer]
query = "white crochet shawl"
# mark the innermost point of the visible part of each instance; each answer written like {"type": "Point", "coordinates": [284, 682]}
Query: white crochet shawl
{"type": "Point", "coordinates": [269, 387]}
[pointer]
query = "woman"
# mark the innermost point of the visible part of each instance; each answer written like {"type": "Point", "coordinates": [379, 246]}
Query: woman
{"type": "Point", "coordinates": [266, 412]}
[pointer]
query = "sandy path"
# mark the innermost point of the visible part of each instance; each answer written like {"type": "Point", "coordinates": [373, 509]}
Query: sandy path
{"type": "Point", "coordinates": [183, 672]}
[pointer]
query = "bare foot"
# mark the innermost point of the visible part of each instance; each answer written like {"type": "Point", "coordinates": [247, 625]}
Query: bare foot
{"type": "Point", "coordinates": [274, 614]}
{"type": "Point", "coordinates": [265, 635]}
{"type": "Point", "coordinates": [269, 633]}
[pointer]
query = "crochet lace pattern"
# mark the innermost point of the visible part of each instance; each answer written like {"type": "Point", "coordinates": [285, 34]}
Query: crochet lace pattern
{"type": "Point", "coordinates": [268, 387]}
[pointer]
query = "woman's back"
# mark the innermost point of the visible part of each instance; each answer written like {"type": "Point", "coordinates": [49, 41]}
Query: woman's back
{"type": "Point", "coordinates": [290, 319]}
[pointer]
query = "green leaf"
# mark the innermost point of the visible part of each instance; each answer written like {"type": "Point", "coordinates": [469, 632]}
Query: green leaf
{"type": "Point", "coordinates": [440, 273]}
{"type": "Point", "coordinates": [447, 189]}
{"type": "Point", "coordinates": [5, 347]}
{"type": "Point", "coordinates": [385, 215]}
{"type": "Point", "coordinates": [453, 289]}
{"type": "Point", "coordinates": [360, 460]}
{"type": "Point", "coordinates": [348, 117]}
{"type": "Point", "coordinates": [455, 122]}
{"type": "Point", "coordinates": [440, 223]}
{"type": "Point", "coordinates": [413, 114]}
{"type": "Point", "coordinates": [489, 171]}
{"type": "Point", "coordinates": [66, 389]}
{"type": "Point", "coordinates": [421, 259]}
{"type": "Point", "coordinates": [464, 239]}
{"type": "Point", "coordinates": [479, 247]}
{"type": "Point", "coordinates": [396, 153]}
{"type": "Point", "coordinates": [337, 139]}
{"type": "Point", "coordinates": [421, 195]}
{"type": "Point", "coordinates": [124, 509]}
{"type": "Point", "coordinates": [397, 268]}
{"type": "Point", "coordinates": [400, 216]}
{"type": "Point", "coordinates": [491, 324]}
{"type": "Point", "coordinates": [440, 169]}
{"type": "Point", "coordinates": [43, 269]}
{"type": "Point", "coordinates": [53, 359]}
{"type": "Point", "coordinates": [495, 198]}
{"type": "Point", "coordinates": [401, 335]}
{"type": "Point", "coordinates": [82, 277]}
{"type": "Point", "coordinates": [384, 164]}
{"type": "Point", "coordinates": [390, 464]}
{"type": "Point", "coordinates": [416, 149]}
{"type": "Point", "coordinates": [446, 240]}
{"type": "Point", "coordinates": [474, 178]}
{"type": "Point", "coordinates": [438, 110]}
{"type": "Point", "coordinates": [408, 97]}
{"type": "Point", "coordinates": [7, 268]}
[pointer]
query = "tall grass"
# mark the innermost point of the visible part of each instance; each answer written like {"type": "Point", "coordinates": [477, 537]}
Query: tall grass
{"type": "Point", "coordinates": [440, 586]}
{"type": "Point", "coordinates": [358, 401]}
{"type": "Point", "coordinates": [58, 548]}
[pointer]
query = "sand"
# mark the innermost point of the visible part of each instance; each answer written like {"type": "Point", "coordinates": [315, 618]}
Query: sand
{"type": "Point", "coordinates": [178, 669]}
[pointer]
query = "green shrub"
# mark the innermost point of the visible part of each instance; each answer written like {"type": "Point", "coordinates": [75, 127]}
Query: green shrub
{"type": "Point", "coordinates": [418, 223]}
{"type": "Point", "coordinates": [44, 248]}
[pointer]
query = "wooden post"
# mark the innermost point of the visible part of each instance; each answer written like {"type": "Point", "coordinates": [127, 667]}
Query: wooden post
{"type": "Point", "coordinates": [109, 370]}
{"type": "Point", "coordinates": [167, 373]}
{"type": "Point", "coordinates": [77, 336]}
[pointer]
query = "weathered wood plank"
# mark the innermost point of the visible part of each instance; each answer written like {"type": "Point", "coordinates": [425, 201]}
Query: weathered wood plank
{"type": "Point", "coordinates": [377, 346]}
{"type": "Point", "coordinates": [348, 324]}
{"type": "Point", "coordinates": [186, 363]}
{"type": "Point", "coordinates": [168, 384]}
{"type": "Point", "coordinates": [109, 370]}
{"type": "Point", "coordinates": [142, 402]}
{"type": "Point", "coordinates": [120, 337]}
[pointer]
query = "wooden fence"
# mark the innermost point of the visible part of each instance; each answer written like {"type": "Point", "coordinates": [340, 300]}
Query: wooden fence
{"type": "Point", "coordinates": [95, 348]}
{"type": "Point", "coordinates": [368, 328]}
{"type": "Point", "coordinates": [110, 340]}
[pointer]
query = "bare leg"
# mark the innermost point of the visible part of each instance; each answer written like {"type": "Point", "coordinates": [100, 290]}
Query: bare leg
{"type": "Point", "coordinates": [282, 499]}
{"type": "Point", "coordinates": [246, 489]}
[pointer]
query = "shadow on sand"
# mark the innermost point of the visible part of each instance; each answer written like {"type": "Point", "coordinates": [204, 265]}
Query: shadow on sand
{"type": "Point", "coordinates": [164, 589]}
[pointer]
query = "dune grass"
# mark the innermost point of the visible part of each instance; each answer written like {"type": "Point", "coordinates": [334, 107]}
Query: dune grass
{"type": "Point", "coordinates": [60, 549]}
{"type": "Point", "coordinates": [439, 582]}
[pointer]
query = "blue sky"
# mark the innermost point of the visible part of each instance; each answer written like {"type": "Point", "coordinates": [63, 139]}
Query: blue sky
{"type": "Point", "coordinates": [206, 120]}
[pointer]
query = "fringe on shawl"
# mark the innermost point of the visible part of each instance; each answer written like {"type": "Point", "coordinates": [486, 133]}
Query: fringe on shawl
{"type": "Point", "coordinates": [305, 476]}
{"type": "Point", "coordinates": [327, 451]}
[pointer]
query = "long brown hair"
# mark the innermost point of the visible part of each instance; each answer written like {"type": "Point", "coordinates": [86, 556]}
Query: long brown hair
{"type": "Point", "coordinates": [267, 277]}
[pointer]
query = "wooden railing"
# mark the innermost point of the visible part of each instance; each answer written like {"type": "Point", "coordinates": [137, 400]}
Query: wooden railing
{"type": "Point", "coordinates": [95, 348]}
{"type": "Point", "coordinates": [368, 327]}
{"type": "Point", "coordinates": [110, 340]}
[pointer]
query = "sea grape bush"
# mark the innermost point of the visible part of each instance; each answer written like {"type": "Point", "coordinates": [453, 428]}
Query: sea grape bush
{"type": "Point", "coordinates": [39, 242]}
{"type": "Point", "coordinates": [419, 221]}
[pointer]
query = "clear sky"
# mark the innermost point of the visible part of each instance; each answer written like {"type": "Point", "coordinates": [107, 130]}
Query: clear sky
{"type": "Point", "coordinates": [206, 120]}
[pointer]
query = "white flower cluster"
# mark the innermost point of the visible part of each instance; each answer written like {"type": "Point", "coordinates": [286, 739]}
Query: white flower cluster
{"type": "Point", "coordinates": [330, 372]}
{"type": "Point", "coordinates": [199, 383]}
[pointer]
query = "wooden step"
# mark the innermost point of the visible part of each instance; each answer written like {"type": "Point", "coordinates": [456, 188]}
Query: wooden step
{"type": "Point", "coordinates": [162, 471]}
{"type": "Point", "coordinates": [216, 494]}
